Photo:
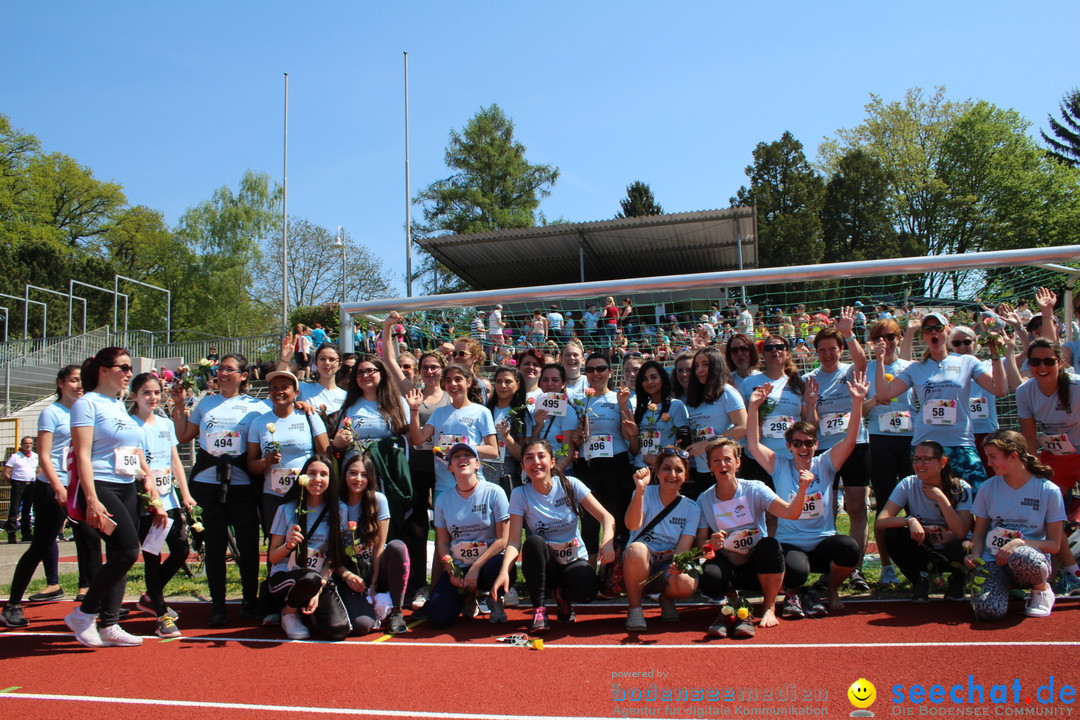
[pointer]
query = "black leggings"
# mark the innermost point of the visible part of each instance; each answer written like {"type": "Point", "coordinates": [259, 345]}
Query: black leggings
{"type": "Point", "coordinates": [158, 573]}
{"type": "Point", "coordinates": [49, 520]}
{"type": "Point", "coordinates": [914, 559]}
{"type": "Point", "coordinates": [890, 463]}
{"type": "Point", "coordinates": [417, 526]}
{"type": "Point", "coordinates": [543, 572]}
{"type": "Point", "coordinates": [297, 587]}
{"type": "Point", "coordinates": [106, 592]}
{"type": "Point", "coordinates": [611, 481]}
{"type": "Point", "coordinates": [839, 549]}
{"type": "Point", "coordinates": [720, 575]}
{"type": "Point", "coordinates": [393, 575]}
{"type": "Point", "coordinates": [241, 511]}
{"type": "Point", "coordinates": [88, 548]}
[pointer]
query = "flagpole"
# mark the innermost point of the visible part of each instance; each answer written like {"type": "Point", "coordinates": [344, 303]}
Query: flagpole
{"type": "Point", "coordinates": [285, 221]}
{"type": "Point", "coordinates": [408, 202]}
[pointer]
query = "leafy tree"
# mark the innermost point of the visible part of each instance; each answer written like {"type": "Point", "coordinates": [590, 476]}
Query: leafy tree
{"type": "Point", "coordinates": [493, 187]}
{"type": "Point", "coordinates": [639, 201]}
{"type": "Point", "coordinates": [1065, 145]}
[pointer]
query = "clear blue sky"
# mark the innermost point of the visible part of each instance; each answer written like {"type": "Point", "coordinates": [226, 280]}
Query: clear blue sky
{"type": "Point", "coordinates": [175, 99]}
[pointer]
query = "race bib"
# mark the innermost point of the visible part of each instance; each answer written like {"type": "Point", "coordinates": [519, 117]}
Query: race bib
{"type": "Point", "coordinates": [315, 560]}
{"type": "Point", "coordinates": [834, 423]}
{"type": "Point", "coordinates": [776, 425]}
{"type": "Point", "coordinates": [446, 442]}
{"type": "Point", "coordinates": [502, 453]}
{"type": "Point", "coordinates": [999, 537]}
{"type": "Point", "coordinates": [564, 552]}
{"type": "Point", "coordinates": [742, 541]}
{"type": "Point", "coordinates": [1057, 444]}
{"type": "Point", "coordinates": [938, 535]}
{"type": "Point", "coordinates": [649, 442]}
{"type": "Point", "coordinates": [599, 446]}
{"type": "Point", "coordinates": [813, 507]}
{"type": "Point", "coordinates": [467, 553]}
{"type": "Point", "coordinates": [980, 408]}
{"type": "Point", "coordinates": [125, 461]}
{"type": "Point", "coordinates": [939, 412]}
{"type": "Point", "coordinates": [704, 433]}
{"type": "Point", "coordinates": [554, 403]}
{"type": "Point", "coordinates": [224, 442]}
{"type": "Point", "coordinates": [281, 479]}
{"type": "Point", "coordinates": [163, 480]}
{"type": "Point", "coordinates": [732, 513]}
{"type": "Point", "coordinates": [897, 421]}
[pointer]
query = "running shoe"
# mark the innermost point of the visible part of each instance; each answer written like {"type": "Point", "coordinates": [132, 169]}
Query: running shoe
{"type": "Point", "coordinates": [564, 610]}
{"type": "Point", "coordinates": [888, 576]}
{"type": "Point", "coordinates": [57, 594]}
{"type": "Point", "coordinates": [511, 598]}
{"type": "Point", "coordinates": [719, 628]}
{"type": "Point", "coordinates": [219, 616]}
{"type": "Point", "coordinates": [13, 617]}
{"type": "Point", "coordinates": [1067, 584]}
{"type": "Point", "coordinates": [395, 623]}
{"type": "Point", "coordinates": [920, 591]}
{"type": "Point", "coordinates": [1040, 603]}
{"type": "Point", "coordinates": [956, 589]}
{"type": "Point", "coordinates": [294, 627]}
{"type": "Point", "coordinates": [166, 627]}
{"type": "Point", "coordinates": [668, 612]}
{"type": "Point", "coordinates": [147, 605]}
{"type": "Point", "coordinates": [793, 609]}
{"type": "Point", "coordinates": [271, 620]}
{"type": "Point", "coordinates": [540, 620]}
{"type": "Point", "coordinates": [483, 604]}
{"type": "Point", "coordinates": [84, 625]}
{"type": "Point", "coordinates": [812, 605]}
{"type": "Point", "coordinates": [421, 597]}
{"type": "Point", "coordinates": [822, 584]}
{"type": "Point", "coordinates": [857, 582]}
{"type": "Point", "coordinates": [635, 620]}
{"type": "Point", "coordinates": [116, 636]}
{"type": "Point", "coordinates": [743, 629]}
{"type": "Point", "coordinates": [496, 614]}
{"type": "Point", "coordinates": [469, 608]}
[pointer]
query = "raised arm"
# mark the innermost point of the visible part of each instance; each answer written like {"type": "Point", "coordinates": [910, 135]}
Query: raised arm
{"type": "Point", "coordinates": [858, 387]}
{"type": "Point", "coordinates": [765, 457]}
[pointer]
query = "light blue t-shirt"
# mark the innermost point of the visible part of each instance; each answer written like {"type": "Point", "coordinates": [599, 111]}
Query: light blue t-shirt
{"type": "Point", "coordinates": [816, 521]}
{"type": "Point", "coordinates": [551, 517]}
{"type": "Point", "coordinates": [665, 535]}
{"type": "Point", "coordinates": [896, 417]}
{"type": "Point", "coordinates": [710, 420]}
{"type": "Point", "coordinates": [605, 420]}
{"type": "Point", "coordinates": [117, 437]}
{"type": "Point", "coordinates": [159, 440]}
{"type": "Point", "coordinates": [784, 410]}
{"type": "Point", "coordinates": [1051, 420]}
{"type": "Point", "coordinates": [654, 431]}
{"type": "Point", "coordinates": [942, 390]}
{"type": "Point", "coordinates": [318, 396]}
{"type": "Point", "coordinates": [223, 429]}
{"type": "Point", "coordinates": [56, 419]}
{"type": "Point", "coordinates": [908, 494]}
{"type": "Point", "coordinates": [1027, 509]}
{"type": "Point", "coordinates": [745, 511]}
{"type": "Point", "coordinates": [368, 423]}
{"type": "Point", "coordinates": [295, 435]}
{"type": "Point", "coordinates": [472, 422]}
{"type": "Point", "coordinates": [834, 406]}
{"type": "Point", "coordinates": [318, 537]}
{"type": "Point", "coordinates": [471, 521]}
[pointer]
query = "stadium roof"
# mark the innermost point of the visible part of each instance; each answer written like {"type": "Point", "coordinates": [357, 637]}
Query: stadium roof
{"type": "Point", "coordinates": [694, 242]}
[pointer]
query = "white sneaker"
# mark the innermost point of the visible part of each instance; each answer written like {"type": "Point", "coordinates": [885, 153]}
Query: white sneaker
{"type": "Point", "coordinates": [888, 576]}
{"type": "Point", "coordinates": [1040, 603]}
{"type": "Point", "coordinates": [85, 628]}
{"type": "Point", "coordinates": [116, 636]}
{"type": "Point", "coordinates": [294, 627]}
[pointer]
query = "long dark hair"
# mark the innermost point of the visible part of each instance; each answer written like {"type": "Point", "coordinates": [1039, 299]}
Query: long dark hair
{"type": "Point", "coordinates": [332, 348]}
{"type": "Point", "coordinates": [677, 390]}
{"type": "Point", "coordinates": [387, 398]}
{"type": "Point", "coordinates": [755, 356]}
{"type": "Point", "coordinates": [517, 420]}
{"type": "Point", "coordinates": [719, 376]}
{"type": "Point", "coordinates": [1009, 442]}
{"type": "Point", "coordinates": [795, 381]}
{"type": "Point", "coordinates": [136, 384]}
{"type": "Point", "coordinates": [568, 489]}
{"type": "Point", "coordinates": [598, 356]}
{"type": "Point", "coordinates": [241, 365]}
{"type": "Point", "coordinates": [368, 527]}
{"type": "Point", "coordinates": [950, 484]}
{"type": "Point", "coordinates": [91, 367]}
{"type": "Point", "coordinates": [643, 399]}
{"type": "Point", "coordinates": [335, 551]}
{"type": "Point", "coordinates": [1064, 384]}
{"type": "Point", "coordinates": [472, 390]}
{"type": "Point", "coordinates": [65, 373]}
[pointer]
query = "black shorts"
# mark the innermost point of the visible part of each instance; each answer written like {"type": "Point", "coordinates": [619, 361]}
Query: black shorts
{"type": "Point", "coordinates": [855, 472]}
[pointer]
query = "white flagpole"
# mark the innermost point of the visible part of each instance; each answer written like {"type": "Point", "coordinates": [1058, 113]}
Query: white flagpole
{"type": "Point", "coordinates": [285, 222]}
{"type": "Point", "coordinates": [408, 200]}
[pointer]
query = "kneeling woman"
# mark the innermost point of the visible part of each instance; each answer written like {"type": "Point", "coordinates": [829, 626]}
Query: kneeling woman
{"type": "Point", "coordinates": [379, 566]}
{"type": "Point", "coordinates": [937, 518]}
{"type": "Point", "coordinates": [1018, 525]}
{"type": "Point", "coordinates": [662, 523]}
{"type": "Point", "coordinates": [810, 542]}
{"type": "Point", "coordinates": [733, 522]}
{"type": "Point", "coordinates": [472, 524]}
{"type": "Point", "coordinates": [306, 547]}
{"type": "Point", "coordinates": [553, 557]}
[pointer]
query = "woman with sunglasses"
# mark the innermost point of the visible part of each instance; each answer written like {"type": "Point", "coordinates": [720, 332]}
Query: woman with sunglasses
{"type": "Point", "coordinates": [937, 518]}
{"type": "Point", "coordinates": [659, 419]}
{"type": "Point", "coordinates": [716, 408]}
{"type": "Point", "coordinates": [469, 352]}
{"type": "Point", "coordinates": [663, 523]}
{"type": "Point", "coordinates": [810, 542]}
{"type": "Point", "coordinates": [942, 382]}
{"type": "Point", "coordinates": [733, 514]}
{"type": "Point", "coordinates": [1018, 526]}
{"type": "Point", "coordinates": [1048, 406]}
{"type": "Point", "coordinates": [553, 556]}
{"type": "Point", "coordinates": [220, 483]}
{"type": "Point", "coordinates": [785, 404]}
{"type": "Point", "coordinates": [107, 444]}
{"type": "Point", "coordinates": [742, 357]}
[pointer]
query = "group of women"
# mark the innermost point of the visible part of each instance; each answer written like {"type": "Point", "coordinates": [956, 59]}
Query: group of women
{"type": "Point", "coordinates": [720, 477]}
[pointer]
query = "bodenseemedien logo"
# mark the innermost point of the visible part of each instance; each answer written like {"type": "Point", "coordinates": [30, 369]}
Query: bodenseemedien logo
{"type": "Point", "coordinates": [862, 695]}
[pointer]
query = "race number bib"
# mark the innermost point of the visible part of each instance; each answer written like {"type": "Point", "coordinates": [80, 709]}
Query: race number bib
{"type": "Point", "coordinates": [163, 480]}
{"type": "Point", "coordinates": [938, 535]}
{"type": "Point", "coordinates": [599, 446]}
{"type": "Point", "coordinates": [813, 507]}
{"type": "Point", "coordinates": [281, 479]}
{"type": "Point", "coordinates": [502, 452]}
{"type": "Point", "coordinates": [980, 408]}
{"type": "Point", "coordinates": [224, 442]}
{"type": "Point", "coordinates": [999, 537]}
{"type": "Point", "coordinates": [939, 412]}
{"type": "Point", "coordinates": [834, 423]}
{"type": "Point", "coordinates": [776, 425]}
{"type": "Point", "coordinates": [742, 541]}
{"type": "Point", "coordinates": [564, 552]}
{"type": "Point", "coordinates": [315, 560]}
{"type": "Point", "coordinates": [125, 461]}
{"type": "Point", "coordinates": [554, 403]}
{"type": "Point", "coordinates": [897, 421]}
{"type": "Point", "coordinates": [704, 433]}
{"type": "Point", "coordinates": [446, 442]}
{"type": "Point", "coordinates": [732, 513]}
{"type": "Point", "coordinates": [1057, 444]}
{"type": "Point", "coordinates": [649, 442]}
{"type": "Point", "coordinates": [468, 553]}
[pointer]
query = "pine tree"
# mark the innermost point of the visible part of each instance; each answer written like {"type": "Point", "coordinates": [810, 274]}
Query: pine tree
{"type": "Point", "coordinates": [1066, 148]}
{"type": "Point", "coordinates": [639, 201]}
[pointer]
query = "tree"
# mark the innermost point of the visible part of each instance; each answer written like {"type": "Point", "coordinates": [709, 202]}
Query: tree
{"type": "Point", "coordinates": [639, 201]}
{"type": "Point", "coordinates": [1065, 145]}
{"type": "Point", "coordinates": [494, 186]}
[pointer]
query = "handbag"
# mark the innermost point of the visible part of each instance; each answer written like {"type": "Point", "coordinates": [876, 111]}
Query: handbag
{"type": "Point", "coordinates": [76, 501]}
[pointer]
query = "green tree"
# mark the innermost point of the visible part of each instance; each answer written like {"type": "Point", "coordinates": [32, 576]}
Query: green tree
{"type": "Point", "coordinates": [1065, 145]}
{"type": "Point", "coordinates": [493, 187]}
{"type": "Point", "coordinates": [639, 201]}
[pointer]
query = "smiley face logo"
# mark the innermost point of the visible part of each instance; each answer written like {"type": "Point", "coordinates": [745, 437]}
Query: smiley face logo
{"type": "Point", "coordinates": [862, 693]}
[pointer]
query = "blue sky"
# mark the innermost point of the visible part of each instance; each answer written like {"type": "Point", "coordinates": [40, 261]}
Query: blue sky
{"type": "Point", "coordinates": [175, 99]}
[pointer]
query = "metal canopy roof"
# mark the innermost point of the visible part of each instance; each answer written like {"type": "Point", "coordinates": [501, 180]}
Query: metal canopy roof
{"type": "Point", "coordinates": [657, 245]}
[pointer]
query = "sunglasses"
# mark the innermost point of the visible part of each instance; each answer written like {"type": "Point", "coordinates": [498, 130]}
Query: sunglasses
{"type": "Point", "coordinates": [932, 328]}
{"type": "Point", "coordinates": [774, 348]}
{"type": "Point", "coordinates": [460, 353]}
{"type": "Point", "coordinates": [966, 342]}
{"type": "Point", "coordinates": [597, 368]}
{"type": "Point", "coordinates": [364, 372]}
{"type": "Point", "coordinates": [672, 451]}
{"type": "Point", "coordinates": [802, 443]}
{"type": "Point", "coordinates": [1048, 362]}
{"type": "Point", "coordinates": [739, 349]}
{"type": "Point", "coordinates": [123, 368]}
{"type": "Point", "coordinates": [886, 336]}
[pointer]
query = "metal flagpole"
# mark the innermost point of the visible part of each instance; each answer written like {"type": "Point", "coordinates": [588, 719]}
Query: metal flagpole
{"type": "Point", "coordinates": [285, 221]}
{"type": "Point", "coordinates": [408, 203]}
